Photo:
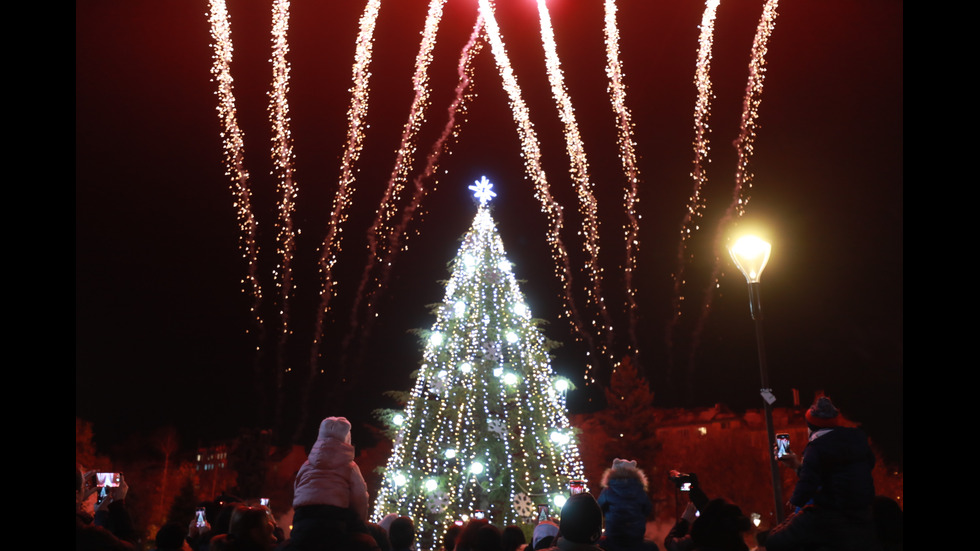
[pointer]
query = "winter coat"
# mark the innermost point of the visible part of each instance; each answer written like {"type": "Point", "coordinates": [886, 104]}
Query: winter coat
{"type": "Point", "coordinates": [329, 476]}
{"type": "Point", "coordinates": [836, 491]}
{"type": "Point", "coordinates": [836, 471]}
{"type": "Point", "coordinates": [625, 504]}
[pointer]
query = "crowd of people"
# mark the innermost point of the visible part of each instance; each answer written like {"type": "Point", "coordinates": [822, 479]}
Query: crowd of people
{"type": "Point", "coordinates": [834, 508]}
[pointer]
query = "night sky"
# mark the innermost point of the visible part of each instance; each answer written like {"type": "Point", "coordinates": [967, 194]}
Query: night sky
{"type": "Point", "coordinates": [162, 324]}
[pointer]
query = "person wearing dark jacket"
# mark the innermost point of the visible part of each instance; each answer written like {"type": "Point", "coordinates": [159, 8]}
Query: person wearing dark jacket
{"type": "Point", "coordinates": [834, 492]}
{"type": "Point", "coordinates": [721, 525]}
{"type": "Point", "coordinates": [625, 507]}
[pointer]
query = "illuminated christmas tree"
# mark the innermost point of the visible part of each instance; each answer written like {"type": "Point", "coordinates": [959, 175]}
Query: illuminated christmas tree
{"type": "Point", "coordinates": [485, 427]}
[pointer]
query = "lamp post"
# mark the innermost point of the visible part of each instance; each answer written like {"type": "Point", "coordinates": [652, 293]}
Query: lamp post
{"type": "Point", "coordinates": [751, 255]}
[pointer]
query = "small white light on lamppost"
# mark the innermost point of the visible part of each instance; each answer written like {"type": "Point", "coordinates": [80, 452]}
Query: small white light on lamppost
{"type": "Point", "coordinates": [751, 254]}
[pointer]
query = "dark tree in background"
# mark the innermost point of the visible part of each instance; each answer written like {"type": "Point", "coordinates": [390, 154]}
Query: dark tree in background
{"type": "Point", "coordinates": [249, 459]}
{"type": "Point", "coordinates": [627, 427]}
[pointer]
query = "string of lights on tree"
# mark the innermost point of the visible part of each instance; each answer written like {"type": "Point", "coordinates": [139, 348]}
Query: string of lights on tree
{"type": "Point", "coordinates": [485, 427]}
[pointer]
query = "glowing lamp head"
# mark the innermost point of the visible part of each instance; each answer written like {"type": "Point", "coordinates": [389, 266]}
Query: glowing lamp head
{"type": "Point", "coordinates": [559, 500]}
{"type": "Point", "coordinates": [511, 337]}
{"type": "Point", "coordinates": [431, 484]}
{"type": "Point", "coordinates": [398, 419]}
{"type": "Point", "coordinates": [399, 479]}
{"type": "Point", "coordinates": [476, 467]}
{"type": "Point", "coordinates": [751, 254]}
{"type": "Point", "coordinates": [561, 385]}
{"type": "Point", "coordinates": [450, 453]}
{"type": "Point", "coordinates": [435, 339]}
{"type": "Point", "coordinates": [510, 379]}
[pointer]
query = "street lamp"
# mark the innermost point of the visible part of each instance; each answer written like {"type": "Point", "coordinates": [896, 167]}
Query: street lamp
{"type": "Point", "coordinates": [751, 254]}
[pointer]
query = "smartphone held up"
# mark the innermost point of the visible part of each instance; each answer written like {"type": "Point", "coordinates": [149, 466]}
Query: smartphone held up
{"type": "Point", "coordinates": [111, 480]}
{"type": "Point", "coordinates": [782, 445]}
{"type": "Point", "coordinates": [683, 481]}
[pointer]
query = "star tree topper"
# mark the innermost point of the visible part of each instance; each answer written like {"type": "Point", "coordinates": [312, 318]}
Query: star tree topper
{"type": "Point", "coordinates": [482, 190]}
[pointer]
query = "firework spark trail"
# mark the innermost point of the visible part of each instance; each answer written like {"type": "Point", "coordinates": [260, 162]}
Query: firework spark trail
{"type": "Point", "coordinates": [532, 164]}
{"type": "Point", "coordinates": [695, 206]}
{"type": "Point", "coordinates": [404, 158]}
{"type": "Point", "coordinates": [234, 155]}
{"type": "Point", "coordinates": [627, 154]}
{"type": "Point", "coordinates": [744, 145]}
{"type": "Point", "coordinates": [579, 169]}
{"type": "Point", "coordinates": [356, 114]}
{"type": "Point", "coordinates": [282, 157]}
{"type": "Point", "coordinates": [456, 109]}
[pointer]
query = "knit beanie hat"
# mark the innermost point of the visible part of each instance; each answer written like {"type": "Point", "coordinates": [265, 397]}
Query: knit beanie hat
{"type": "Point", "coordinates": [822, 414]}
{"type": "Point", "coordinates": [581, 519]}
{"type": "Point", "coordinates": [544, 529]}
{"type": "Point", "coordinates": [335, 427]}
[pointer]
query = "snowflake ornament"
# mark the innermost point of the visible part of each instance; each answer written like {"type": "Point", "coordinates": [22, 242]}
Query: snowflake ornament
{"type": "Point", "coordinates": [437, 502]}
{"type": "Point", "coordinates": [482, 190]}
{"type": "Point", "coordinates": [523, 505]}
{"type": "Point", "coordinates": [497, 427]}
{"type": "Point", "coordinates": [492, 352]}
{"type": "Point", "coordinates": [437, 386]}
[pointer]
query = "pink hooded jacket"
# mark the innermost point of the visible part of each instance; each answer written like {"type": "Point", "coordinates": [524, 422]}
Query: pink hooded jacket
{"type": "Point", "coordinates": [329, 476]}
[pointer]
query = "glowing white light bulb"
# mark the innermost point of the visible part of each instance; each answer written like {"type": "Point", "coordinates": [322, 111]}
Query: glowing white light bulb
{"type": "Point", "coordinates": [561, 385]}
{"type": "Point", "coordinates": [504, 265]}
{"type": "Point", "coordinates": [398, 419]}
{"type": "Point", "coordinates": [465, 367]}
{"type": "Point", "coordinates": [476, 467]}
{"type": "Point", "coordinates": [510, 379]}
{"type": "Point", "coordinates": [399, 479]}
{"type": "Point", "coordinates": [559, 500]}
{"type": "Point", "coordinates": [435, 339]}
{"type": "Point", "coordinates": [469, 262]}
{"type": "Point", "coordinates": [460, 308]}
{"type": "Point", "coordinates": [450, 453]}
{"type": "Point", "coordinates": [559, 437]}
{"type": "Point", "coordinates": [511, 337]}
{"type": "Point", "coordinates": [520, 309]}
{"type": "Point", "coordinates": [431, 484]}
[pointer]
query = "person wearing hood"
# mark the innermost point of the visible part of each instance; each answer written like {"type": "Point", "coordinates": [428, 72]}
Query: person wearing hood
{"type": "Point", "coordinates": [625, 506]}
{"type": "Point", "coordinates": [330, 496]}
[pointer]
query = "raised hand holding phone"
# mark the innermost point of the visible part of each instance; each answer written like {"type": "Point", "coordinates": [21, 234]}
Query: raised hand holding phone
{"type": "Point", "coordinates": [784, 454]}
{"type": "Point", "coordinates": [782, 445]}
